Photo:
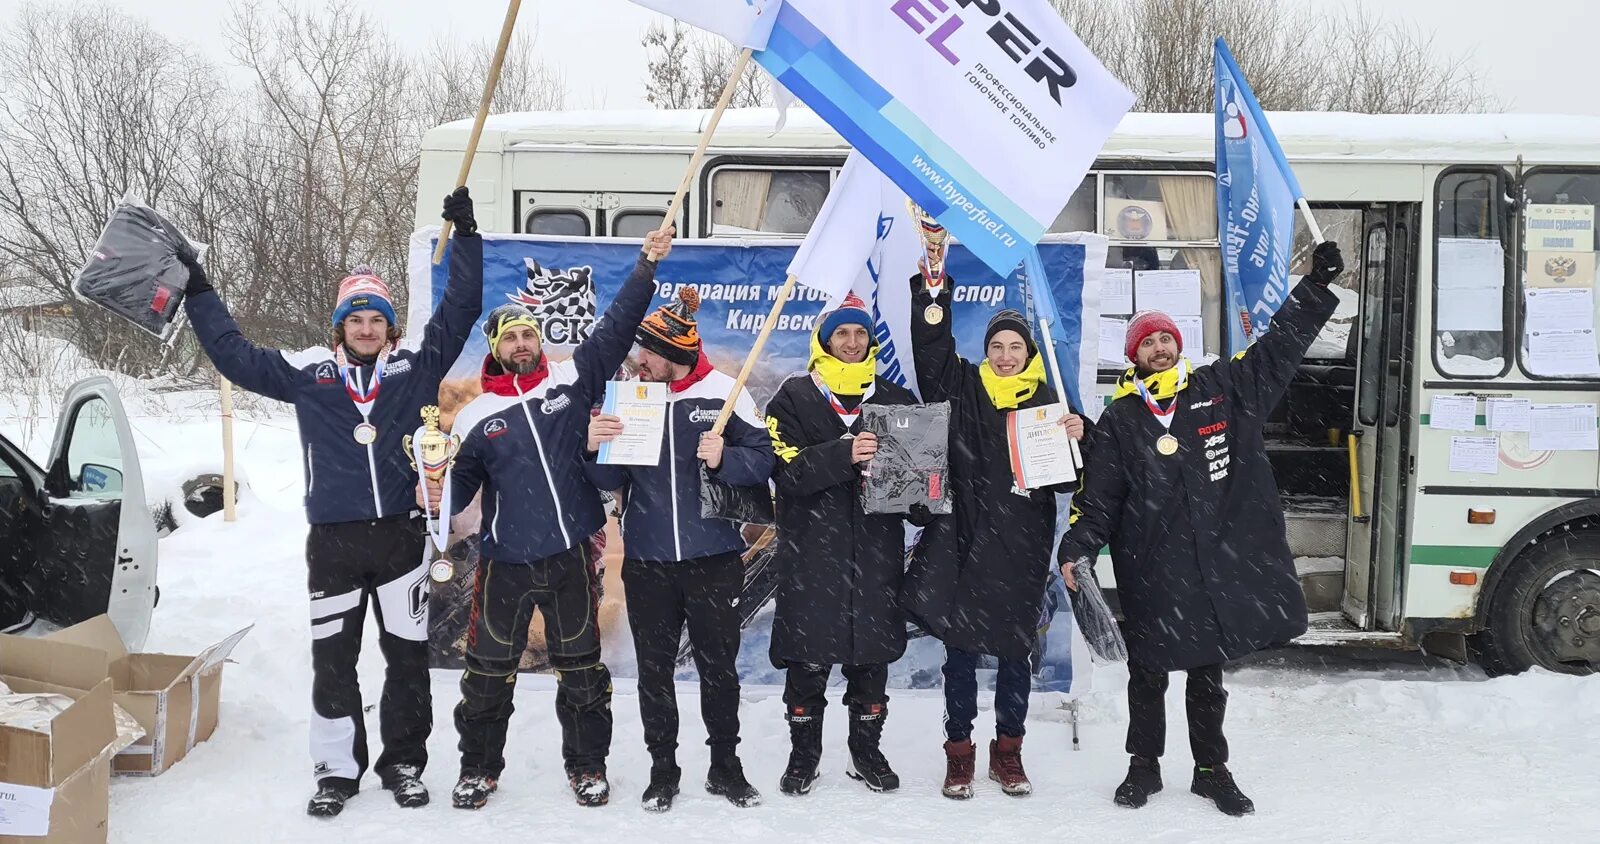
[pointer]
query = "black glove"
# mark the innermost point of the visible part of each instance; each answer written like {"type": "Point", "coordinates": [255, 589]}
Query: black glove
{"type": "Point", "coordinates": [458, 210]}
{"type": "Point", "coordinates": [920, 515]}
{"type": "Point", "coordinates": [198, 282]}
{"type": "Point", "coordinates": [1326, 263]}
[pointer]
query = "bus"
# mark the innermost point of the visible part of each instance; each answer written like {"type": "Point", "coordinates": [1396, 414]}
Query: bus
{"type": "Point", "coordinates": [1437, 450]}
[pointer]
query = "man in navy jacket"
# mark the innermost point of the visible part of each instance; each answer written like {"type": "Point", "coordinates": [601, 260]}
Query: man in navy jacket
{"type": "Point", "coordinates": [523, 444]}
{"type": "Point", "coordinates": [679, 568]}
{"type": "Point", "coordinates": [354, 402]}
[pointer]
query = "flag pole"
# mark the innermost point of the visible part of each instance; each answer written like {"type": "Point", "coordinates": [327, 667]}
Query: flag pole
{"type": "Point", "coordinates": [1311, 222]}
{"type": "Point", "coordinates": [705, 136]}
{"type": "Point", "coordinates": [228, 497]}
{"type": "Point", "coordinates": [483, 114]}
{"type": "Point", "coordinates": [1049, 351]}
{"type": "Point", "coordinates": [784, 293]}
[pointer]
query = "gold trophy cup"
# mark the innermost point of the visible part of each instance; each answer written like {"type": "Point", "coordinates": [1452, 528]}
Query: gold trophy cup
{"type": "Point", "coordinates": [437, 451]}
{"type": "Point", "coordinates": [935, 246]}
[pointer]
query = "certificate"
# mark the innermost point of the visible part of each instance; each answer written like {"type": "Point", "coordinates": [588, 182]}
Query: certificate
{"type": "Point", "coordinates": [642, 407]}
{"type": "Point", "coordinates": [1041, 451]}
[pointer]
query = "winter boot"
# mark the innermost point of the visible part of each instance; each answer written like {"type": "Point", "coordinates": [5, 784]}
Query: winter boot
{"type": "Point", "coordinates": [866, 759]}
{"type": "Point", "coordinates": [590, 787]}
{"type": "Point", "coordinates": [805, 751]}
{"type": "Point", "coordinates": [1216, 784]}
{"type": "Point", "coordinates": [960, 759]}
{"type": "Point", "coordinates": [329, 799]}
{"type": "Point", "coordinates": [1143, 780]}
{"type": "Point", "coordinates": [726, 779]}
{"type": "Point", "coordinates": [663, 787]}
{"type": "Point", "coordinates": [405, 783]}
{"type": "Point", "coordinates": [472, 790]}
{"type": "Point", "coordinates": [1005, 766]}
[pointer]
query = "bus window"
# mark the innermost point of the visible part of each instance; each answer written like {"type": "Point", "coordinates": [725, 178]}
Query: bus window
{"type": "Point", "coordinates": [562, 222]}
{"type": "Point", "coordinates": [1078, 216]}
{"type": "Point", "coordinates": [1168, 221]}
{"type": "Point", "coordinates": [633, 223]}
{"type": "Point", "coordinates": [748, 200]}
{"type": "Point", "coordinates": [1469, 275]}
{"type": "Point", "coordinates": [1376, 317]}
{"type": "Point", "coordinates": [1342, 226]}
{"type": "Point", "coordinates": [1558, 273]}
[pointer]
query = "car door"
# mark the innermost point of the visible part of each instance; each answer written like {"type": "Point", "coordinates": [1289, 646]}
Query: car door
{"type": "Point", "coordinates": [96, 549]}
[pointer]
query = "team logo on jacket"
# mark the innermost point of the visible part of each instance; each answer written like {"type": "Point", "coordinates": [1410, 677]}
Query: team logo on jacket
{"type": "Point", "coordinates": [701, 415]}
{"type": "Point", "coordinates": [494, 428]}
{"type": "Point", "coordinates": [562, 300]}
{"type": "Point", "coordinates": [326, 372]}
{"type": "Point", "coordinates": [557, 404]}
{"type": "Point", "coordinates": [397, 367]}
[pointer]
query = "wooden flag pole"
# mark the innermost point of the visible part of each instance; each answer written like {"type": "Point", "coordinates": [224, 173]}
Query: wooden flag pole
{"type": "Point", "coordinates": [228, 512]}
{"type": "Point", "coordinates": [784, 293]}
{"type": "Point", "coordinates": [1048, 349]}
{"type": "Point", "coordinates": [1311, 222]}
{"type": "Point", "coordinates": [483, 114]}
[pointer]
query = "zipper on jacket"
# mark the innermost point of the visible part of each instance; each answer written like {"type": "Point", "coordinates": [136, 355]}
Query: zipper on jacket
{"type": "Point", "coordinates": [544, 463]}
{"type": "Point", "coordinates": [672, 457]}
{"type": "Point", "coordinates": [494, 526]}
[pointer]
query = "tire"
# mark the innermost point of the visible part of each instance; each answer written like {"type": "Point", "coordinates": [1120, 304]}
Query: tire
{"type": "Point", "coordinates": [1522, 632]}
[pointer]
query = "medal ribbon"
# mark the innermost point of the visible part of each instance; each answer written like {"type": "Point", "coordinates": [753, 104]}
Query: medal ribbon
{"type": "Point", "coordinates": [362, 395]}
{"type": "Point", "coordinates": [846, 416]}
{"type": "Point", "coordinates": [1162, 416]}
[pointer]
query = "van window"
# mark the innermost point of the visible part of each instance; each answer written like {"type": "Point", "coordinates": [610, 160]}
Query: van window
{"type": "Point", "coordinates": [1469, 275]}
{"type": "Point", "coordinates": [1166, 221]}
{"type": "Point", "coordinates": [1078, 216]}
{"type": "Point", "coordinates": [1557, 268]}
{"type": "Point", "coordinates": [636, 223]}
{"type": "Point", "coordinates": [561, 222]}
{"type": "Point", "coordinates": [754, 200]}
{"type": "Point", "coordinates": [1344, 227]}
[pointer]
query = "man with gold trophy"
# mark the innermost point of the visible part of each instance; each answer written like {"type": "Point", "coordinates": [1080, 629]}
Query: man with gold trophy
{"type": "Point", "coordinates": [431, 452]}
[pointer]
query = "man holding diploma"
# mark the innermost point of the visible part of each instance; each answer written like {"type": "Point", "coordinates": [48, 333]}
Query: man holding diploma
{"type": "Point", "coordinates": [679, 568]}
{"type": "Point", "coordinates": [522, 444]}
{"type": "Point", "coordinates": [977, 579]}
{"type": "Point", "coordinates": [1180, 487]}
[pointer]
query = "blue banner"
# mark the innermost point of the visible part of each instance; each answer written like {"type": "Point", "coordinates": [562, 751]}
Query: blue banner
{"type": "Point", "coordinates": [1256, 194]}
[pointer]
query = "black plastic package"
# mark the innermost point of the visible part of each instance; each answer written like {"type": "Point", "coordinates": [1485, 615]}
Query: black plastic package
{"type": "Point", "coordinates": [1094, 618]}
{"type": "Point", "coordinates": [743, 504]}
{"type": "Point", "coordinates": [134, 271]}
{"type": "Point", "coordinates": [912, 465]}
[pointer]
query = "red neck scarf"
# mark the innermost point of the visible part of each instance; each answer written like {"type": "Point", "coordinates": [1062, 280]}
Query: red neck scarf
{"type": "Point", "coordinates": [702, 368]}
{"type": "Point", "coordinates": [496, 379]}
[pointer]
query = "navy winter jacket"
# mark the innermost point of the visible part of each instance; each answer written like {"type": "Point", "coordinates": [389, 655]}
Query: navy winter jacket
{"type": "Point", "coordinates": [345, 480]}
{"type": "Point", "coordinates": [523, 440]}
{"type": "Point", "coordinates": [661, 512]}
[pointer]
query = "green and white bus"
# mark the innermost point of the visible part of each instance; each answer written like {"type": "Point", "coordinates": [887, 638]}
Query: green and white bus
{"type": "Point", "coordinates": [1472, 250]}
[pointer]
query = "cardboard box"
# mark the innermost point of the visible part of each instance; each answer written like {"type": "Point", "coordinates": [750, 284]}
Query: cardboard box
{"type": "Point", "coordinates": [175, 698]}
{"type": "Point", "coordinates": [53, 782]}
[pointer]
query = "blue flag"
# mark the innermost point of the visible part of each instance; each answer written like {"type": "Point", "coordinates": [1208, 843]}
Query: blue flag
{"type": "Point", "coordinates": [1256, 195]}
{"type": "Point", "coordinates": [1069, 299]}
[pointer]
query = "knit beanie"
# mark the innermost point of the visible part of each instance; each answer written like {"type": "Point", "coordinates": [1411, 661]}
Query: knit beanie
{"type": "Point", "coordinates": [362, 290]}
{"type": "Point", "coordinates": [852, 311]}
{"type": "Point", "coordinates": [1010, 320]}
{"type": "Point", "coordinates": [670, 330]}
{"type": "Point", "coordinates": [1146, 323]}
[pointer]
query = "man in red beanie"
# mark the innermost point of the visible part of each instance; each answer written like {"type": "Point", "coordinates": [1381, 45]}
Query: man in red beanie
{"type": "Point", "coordinates": [1180, 487]}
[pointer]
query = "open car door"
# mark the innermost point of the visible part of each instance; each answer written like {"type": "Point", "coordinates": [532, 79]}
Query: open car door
{"type": "Point", "coordinates": [96, 550]}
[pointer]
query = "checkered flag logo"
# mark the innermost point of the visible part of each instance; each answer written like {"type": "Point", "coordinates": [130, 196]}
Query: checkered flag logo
{"type": "Point", "coordinates": [562, 300]}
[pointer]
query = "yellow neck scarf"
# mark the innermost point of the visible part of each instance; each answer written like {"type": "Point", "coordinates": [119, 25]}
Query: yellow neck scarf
{"type": "Point", "coordinates": [843, 379]}
{"type": "Point", "coordinates": [1162, 385]}
{"type": "Point", "coordinates": [1009, 391]}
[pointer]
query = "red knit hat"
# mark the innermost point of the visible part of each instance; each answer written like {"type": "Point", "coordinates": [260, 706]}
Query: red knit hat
{"type": "Point", "coordinates": [1146, 323]}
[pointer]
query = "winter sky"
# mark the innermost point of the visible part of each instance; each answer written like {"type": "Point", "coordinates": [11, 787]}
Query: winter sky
{"type": "Point", "coordinates": [1531, 51]}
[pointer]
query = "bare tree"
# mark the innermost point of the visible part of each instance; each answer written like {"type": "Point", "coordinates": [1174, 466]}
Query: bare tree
{"type": "Point", "coordinates": [1295, 58]}
{"type": "Point", "coordinates": [689, 69]}
{"type": "Point", "coordinates": [451, 85]}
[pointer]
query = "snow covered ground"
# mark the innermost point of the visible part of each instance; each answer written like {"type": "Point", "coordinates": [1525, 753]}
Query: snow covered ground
{"type": "Point", "coordinates": [1347, 754]}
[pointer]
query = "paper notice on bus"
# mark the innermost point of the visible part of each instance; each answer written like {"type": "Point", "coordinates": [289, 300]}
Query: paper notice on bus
{"type": "Point", "coordinates": [1559, 309]}
{"type": "Point", "coordinates": [1476, 455]}
{"type": "Point", "coordinates": [1113, 340]}
{"type": "Point", "coordinates": [1175, 293]}
{"type": "Point", "coordinates": [1508, 414]}
{"type": "Point", "coordinates": [1563, 353]}
{"type": "Point", "coordinates": [1453, 413]}
{"type": "Point", "coordinates": [1467, 263]}
{"type": "Point", "coordinates": [1563, 427]}
{"type": "Point", "coordinates": [642, 406]}
{"type": "Point", "coordinates": [1116, 291]}
{"type": "Point", "coordinates": [1560, 269]}
{"type": "Point", "coordinates": [1559, 228]}
{"type": "Point", "coordinates": [1194, 335]}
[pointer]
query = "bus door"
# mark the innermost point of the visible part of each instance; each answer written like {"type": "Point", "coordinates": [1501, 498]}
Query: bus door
{"type": "Point", "coordinates": [631, 214]}
{"type": "Point", "coordinates": [1377, 517]}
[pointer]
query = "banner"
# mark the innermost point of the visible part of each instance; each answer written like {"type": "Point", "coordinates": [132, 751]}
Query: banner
{"type": "Point", "coordinates": [988, 113]}
{"type": "Point", "coordinates": [568, 283]}
{"type": "Point", "coordinates": [1256, 194]}
{"type": "Point", "coordinates": [739, 21]}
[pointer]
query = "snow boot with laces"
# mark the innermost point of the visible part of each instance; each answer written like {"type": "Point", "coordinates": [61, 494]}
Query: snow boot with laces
{"type": "Point", "coordinates": [590, 787]}
{"type": "Point", "coordinates": [1216, 784]}
{"type": "Point", "coordinates": [867, 763]}
{"type": "Point", "coordinates": [1143, 780]}
{"type": "Point", "coordinates": [726, 779]}
{"type": "Point", "coordinates": [1005, 766]}
{"type": "Point", "coordinates": [405, 783]}
{"type": "Point", "coordinates": [805, 750]}
{"type": "Point", "coordinates": [329, 799]}
{"type": "Point", "coordinates": [960, 760]}
{"type": "Point", "coordinates": [472, 790]}
{"type": "Point", "coordinates": [663, 787]}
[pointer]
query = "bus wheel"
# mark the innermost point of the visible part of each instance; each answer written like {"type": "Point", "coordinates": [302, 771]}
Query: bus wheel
{"type": "Point", "coordinates": [1546, 611]}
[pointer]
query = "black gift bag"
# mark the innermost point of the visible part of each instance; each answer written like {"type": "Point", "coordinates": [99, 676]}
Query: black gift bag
{"type": "Point", "coordinates": [134, 271]}
{"type": "Point", "coordinates": [745, 504]}
{"type": "Point", "coordinates": [913, 459]}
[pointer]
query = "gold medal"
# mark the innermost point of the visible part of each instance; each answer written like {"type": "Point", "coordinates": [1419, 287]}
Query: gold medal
{"type": "Point", "coordinates": [365, 433]}
{"type": "Point", "coordinates": [1168, 445]}
{"type": "Point", "coordinates": [442, 571]}
{"type": "Point", "coordinates": [933, 314]}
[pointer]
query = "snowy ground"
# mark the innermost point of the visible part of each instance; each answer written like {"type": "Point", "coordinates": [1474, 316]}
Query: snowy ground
{"type": "Point", "coordinates": [1342, 753]}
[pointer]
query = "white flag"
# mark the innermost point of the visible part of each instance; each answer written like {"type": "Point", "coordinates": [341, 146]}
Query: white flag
{"type": "Point", "coordinates": [739, 21]}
